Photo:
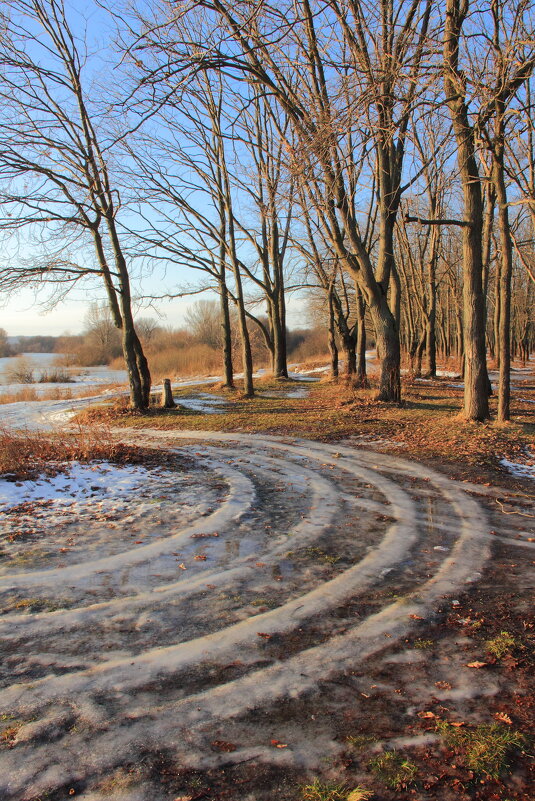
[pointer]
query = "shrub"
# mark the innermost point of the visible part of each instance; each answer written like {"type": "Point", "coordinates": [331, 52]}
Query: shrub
{"type": "Point", "coordinates": [20, 371]}
{"type": "Point", "coordinates": [55, 376]}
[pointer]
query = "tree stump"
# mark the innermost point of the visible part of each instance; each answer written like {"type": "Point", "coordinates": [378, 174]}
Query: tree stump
{"type": "Point", "coordinates": [167, 401]}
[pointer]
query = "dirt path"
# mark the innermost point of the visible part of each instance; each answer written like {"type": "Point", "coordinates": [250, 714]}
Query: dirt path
{"type": "Point", "coordinates": [199, 645]}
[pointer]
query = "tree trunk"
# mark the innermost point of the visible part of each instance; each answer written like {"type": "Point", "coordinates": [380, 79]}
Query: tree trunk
{"type": "Point", "coordinates": [476, 401]}
{"type": "Point", "coordinates": [167, 401]}
{"type": "Point", "coordinates": [506, 271]}
{"type": "Point", "coordinates": [362, 379]}
{"type": "Point", "coordinates": [137, 399]}
{"type": "Point", "coordinates": [431, 344]}
{"type": "Point", "coordinates": [143, 369]}
{"type": "Point", "coordinates": [228, 368]}
{"type": "Point", "coordinates": [351, 356]}
{"type": "Point", "coordinates": [388, 346]}
{"type": "Point", "coordinates": [497, 311]}
{"type": "Point", "coordinates": [333, 349]}
{"type": "Point", "coordinates": [430, 323]}
{"type": "Point", "coordinates": [136, 363]}
{"type": "Point", "coordinates": [278, 336]}
{"type": "Point", "coordinates": [422, 344]}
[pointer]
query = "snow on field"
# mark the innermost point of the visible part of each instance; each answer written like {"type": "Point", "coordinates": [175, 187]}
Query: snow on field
{"type": "Point", "coordinates": [521, 469]}
{"type": "Point", "coordinates": [48, 362]}
{"type": "Point", "coordinates": [89, 513]}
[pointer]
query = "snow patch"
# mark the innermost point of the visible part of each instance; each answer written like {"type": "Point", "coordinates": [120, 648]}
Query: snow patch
{"type": "Point", "coordinates": [76, 482]}
{"type": "Point", "coordinates": [521, 469]}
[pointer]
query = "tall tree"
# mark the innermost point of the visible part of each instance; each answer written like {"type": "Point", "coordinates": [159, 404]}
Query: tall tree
{"type": "Point", "coordinates": [52, 155]}
{"type": "Point", "coordinates": [311, 70]}
{"type": "Point", "coordinates": [476, 403]}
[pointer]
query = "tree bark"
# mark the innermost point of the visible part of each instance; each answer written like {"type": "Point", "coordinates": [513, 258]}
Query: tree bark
{"type": "Point", "coordinates": [506, 271]}
{"type": "Point", "coordinates": [333, 349]}
{"type": "Point", "coordinates": [476, 403]}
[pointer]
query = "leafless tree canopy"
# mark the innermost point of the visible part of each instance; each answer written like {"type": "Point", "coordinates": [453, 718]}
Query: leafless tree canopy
{"type": "Point", "coordinates": [378, 155]}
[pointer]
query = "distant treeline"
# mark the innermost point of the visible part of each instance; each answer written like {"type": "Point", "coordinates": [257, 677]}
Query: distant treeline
{"type": "Point", "coordinates": [14, 346]}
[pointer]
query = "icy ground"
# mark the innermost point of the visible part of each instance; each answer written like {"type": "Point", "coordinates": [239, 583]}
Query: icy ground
{"type": "Point", "coordinates": [182, 610]}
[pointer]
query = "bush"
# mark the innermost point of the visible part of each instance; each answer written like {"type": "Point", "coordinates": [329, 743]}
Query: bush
{"type": "Point", "coordinates": [55, 377]}
{"type": "Point", "coordinates": [20, 371]}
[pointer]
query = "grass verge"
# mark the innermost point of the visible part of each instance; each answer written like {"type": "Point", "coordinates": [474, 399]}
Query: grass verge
{"type": "Point", "coordinates": [427, 425]}
{"type": "Point", "coordinates": [24, 455]}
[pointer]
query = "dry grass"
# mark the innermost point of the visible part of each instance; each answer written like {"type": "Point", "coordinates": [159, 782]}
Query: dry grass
{"type": "Point", "coordinates": [316, 360]}
{"type": "Point", "coordinates": [24, 455]}
{"type": "Point", "coordinates": [32, 394]}
{"type": "Point", "coordinates": [427, 425]}
{"type": "Point", "coordinates": [173, 361]}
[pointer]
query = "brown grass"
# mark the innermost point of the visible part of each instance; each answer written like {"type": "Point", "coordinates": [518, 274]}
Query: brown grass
{"type": "Point", "coordinates": [25, 455]}
{"type": "Point", "coordinates": [427, 425]}
{"type": "Point", "coordinates": [173, 361]}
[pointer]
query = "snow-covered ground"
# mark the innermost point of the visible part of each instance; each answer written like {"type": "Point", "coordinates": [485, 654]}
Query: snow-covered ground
{"type": "Point", "coordinates": [48, 362]}
{"type": "Point", "coordinates": [75, 482]}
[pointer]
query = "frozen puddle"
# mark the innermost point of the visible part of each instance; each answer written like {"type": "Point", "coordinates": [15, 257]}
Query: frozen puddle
{"type": "Point", "coordinates": [144, 606]}
{"type": "Point", "coordinates": [76, 481]}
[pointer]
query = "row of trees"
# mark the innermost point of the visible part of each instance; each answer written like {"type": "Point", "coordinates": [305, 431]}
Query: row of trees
{"type": "Point", "coordinates": [380, 154]}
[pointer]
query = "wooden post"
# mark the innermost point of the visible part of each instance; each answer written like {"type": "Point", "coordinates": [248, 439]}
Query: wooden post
{"type": "Point", "coordinates": [167, 401]}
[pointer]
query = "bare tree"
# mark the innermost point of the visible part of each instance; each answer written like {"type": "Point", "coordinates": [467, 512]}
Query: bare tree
{"type": "Point", "coordinates": [511, 74]}
{"type": "Point", "coordinates": [55, 168]}
{"type": "Point", "coordinates": [284, 50]}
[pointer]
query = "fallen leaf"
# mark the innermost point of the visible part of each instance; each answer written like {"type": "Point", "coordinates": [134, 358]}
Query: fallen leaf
{"type": "Point", "coordinates": [222, 745]}
{"type": "Point", "coordinates": [182, 566]}
{"type": "Point", "coordinates": [509, 661]}
{"type": "Point", "coordinates": [476, 664]}
{"type": "Point", "coordinates": [263, 634]}
{"type": "Point", "coordinates": [426, 715]}
{"type": "Point", "coordinates": [200, 557]}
